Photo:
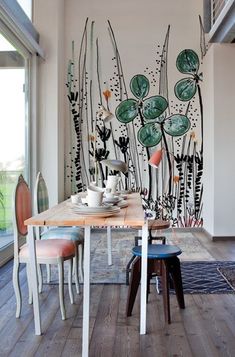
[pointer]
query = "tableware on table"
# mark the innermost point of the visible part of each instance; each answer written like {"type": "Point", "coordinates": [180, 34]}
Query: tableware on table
{"type": "Point", "coordinates": [114, 199]}
{"type": "Point", "coordinates": [85, 208]}
{"type": "Point", "coordinates": [108, 193]}
{"type": "Point", "coordinates": [75, 198]}
{"type": "Point", "coordinates": [112, 182]}
{"type": "Point", "coordinates": [104, 211]}
{"type": "Point", "coordinates": [94, 196]}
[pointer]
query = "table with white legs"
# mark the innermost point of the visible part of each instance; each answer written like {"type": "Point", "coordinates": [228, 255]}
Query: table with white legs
{"type": "Point", "coordinates": [60, 215]}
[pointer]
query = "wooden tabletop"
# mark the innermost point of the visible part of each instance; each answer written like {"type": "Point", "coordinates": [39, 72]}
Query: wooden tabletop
{"type": "Point", "coordinates": [62, 215]}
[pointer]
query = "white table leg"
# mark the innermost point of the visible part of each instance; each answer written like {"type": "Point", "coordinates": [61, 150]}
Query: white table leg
{"type": "Point", "coordinates": [34, 280]}
{"type": "Point", "coordinates": [86, 293]}
{"type": "Point", "coordinates": [143, 291]}
{"type": "Point", "coordinates": [109, 245]}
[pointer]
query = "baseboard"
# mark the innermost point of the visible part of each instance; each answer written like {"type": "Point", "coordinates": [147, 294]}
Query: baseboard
{"type": "Point", "coordinates": [6, 254]}
{"type": "Point", "coordinates": [176, 229]}
{"type": "Point", "coordinates": [217, 238]}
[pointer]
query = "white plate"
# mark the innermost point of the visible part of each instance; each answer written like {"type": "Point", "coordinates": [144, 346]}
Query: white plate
{"type": "Point", "coordinates": [114, 199]}
{"type": "Point", "coordinates": [98, 214]}
{"type": "Point", "coordinates": [82, 207]}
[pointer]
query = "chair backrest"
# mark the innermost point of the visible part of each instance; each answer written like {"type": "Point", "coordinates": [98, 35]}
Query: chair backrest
{"type": "Point", "coordinates": [22, 210]}
{"type": "Point", "coordinates": [41, 199]}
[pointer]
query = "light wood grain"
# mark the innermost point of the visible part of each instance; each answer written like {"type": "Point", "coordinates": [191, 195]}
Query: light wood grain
{"type": "Point", "coordinates": [62, 215]}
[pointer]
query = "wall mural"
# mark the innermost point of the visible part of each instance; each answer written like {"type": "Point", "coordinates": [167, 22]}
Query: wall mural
{"type": "Point", "coordinates": [146, 120]}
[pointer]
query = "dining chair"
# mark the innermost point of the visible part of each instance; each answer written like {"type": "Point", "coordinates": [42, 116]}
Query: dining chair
{"type": "Point", "coordinates": [47, 251]}
{"type": "Point", "coordinates": [163, 261]}
{"type": "Point", "coordinates": [75, 234]}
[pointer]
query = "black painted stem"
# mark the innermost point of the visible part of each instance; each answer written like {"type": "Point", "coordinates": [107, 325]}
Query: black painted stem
{"type": "Point", "coordinates": [168, 159]}
{"type": "Point", "coordinates": [148, 157]}
{"type": "Point", "coordinates": [201, 112]}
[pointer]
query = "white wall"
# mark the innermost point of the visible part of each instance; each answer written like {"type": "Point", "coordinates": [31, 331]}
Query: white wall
{"type": "Point", "coordinates": [49, 21]}
{"type": "Point", "coordinates": [219, 200]}
{"type": "Point", "coordinates": [208, 177]}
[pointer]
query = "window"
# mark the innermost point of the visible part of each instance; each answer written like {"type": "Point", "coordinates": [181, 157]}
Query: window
{"type": "Point", "coordinates": [27, 7]}
{"type": "Point", "coordinates": [14, 132]}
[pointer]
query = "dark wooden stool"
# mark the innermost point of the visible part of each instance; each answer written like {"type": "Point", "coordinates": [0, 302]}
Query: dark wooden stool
{"type": "Point", "coordinates": [162, 261]}
{"type": "Point", "coordinates": [153, 224]}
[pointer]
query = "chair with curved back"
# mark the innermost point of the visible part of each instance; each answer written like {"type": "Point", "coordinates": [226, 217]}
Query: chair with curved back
{"type": "Point", "coordinates": [47, 251]}
{"type": "Point", "coordinates": [75, 234]}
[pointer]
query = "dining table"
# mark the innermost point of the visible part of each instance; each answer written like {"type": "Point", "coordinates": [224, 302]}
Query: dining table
{"type": "Point", "coordinates": [62, 215]}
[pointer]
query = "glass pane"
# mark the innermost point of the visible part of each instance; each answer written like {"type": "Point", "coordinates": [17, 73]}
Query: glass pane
{"type": "Point", "coordinates": [27, 7]}
{"type": "Point", "coordinates": [13, 131]}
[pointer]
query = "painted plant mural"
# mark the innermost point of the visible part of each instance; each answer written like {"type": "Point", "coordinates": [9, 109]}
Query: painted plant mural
{"type": "Point", "coordinates": [146, 120]}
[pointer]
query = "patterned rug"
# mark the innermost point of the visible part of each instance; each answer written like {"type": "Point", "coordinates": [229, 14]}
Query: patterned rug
{"type": "Point", "coordinates": [200, 272]}
{"type": "Point", "coordinates": [205, 278]}
{"type": "Point", "coordinates": [228, 273]}
{"type": "Point", "coordinates": [122, 243]}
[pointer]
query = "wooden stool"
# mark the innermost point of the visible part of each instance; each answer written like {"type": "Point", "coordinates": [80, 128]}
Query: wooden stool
{"type": "Point", "coordinates": [162, 261]}
{"type": "Point", "coordinates": [153, 225]}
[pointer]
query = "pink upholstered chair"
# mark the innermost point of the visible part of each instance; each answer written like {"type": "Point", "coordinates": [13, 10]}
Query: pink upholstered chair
{"type": "Point", "coordinates": [47, 251]}
{"type": "Point", "coordinates": [75, 234]}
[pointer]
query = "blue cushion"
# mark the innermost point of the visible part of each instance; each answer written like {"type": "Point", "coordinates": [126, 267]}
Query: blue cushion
{"type": "Point", "coordinates": [70, 233]}
{"type": "Point", "coordinates": [158, 251]}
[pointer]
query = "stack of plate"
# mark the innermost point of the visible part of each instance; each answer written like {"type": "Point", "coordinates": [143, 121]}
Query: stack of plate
{"type": "Point", "coordinates": [114, 199]}
{"type": "Point", "coordinates": [100, 211]}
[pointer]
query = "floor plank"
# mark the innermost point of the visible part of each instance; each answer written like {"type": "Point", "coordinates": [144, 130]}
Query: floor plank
{"type": "Point", "coordinates": [205, 328]}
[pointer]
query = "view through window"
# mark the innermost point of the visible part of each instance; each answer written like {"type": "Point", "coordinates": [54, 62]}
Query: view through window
{"type": "Point", "coordinates": [13, 132]}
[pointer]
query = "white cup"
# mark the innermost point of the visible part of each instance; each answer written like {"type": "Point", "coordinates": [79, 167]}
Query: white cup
{"type": "Point", "coordinates": [112, 182]}
{"type": "Point", "coordinates": [75, 198]}
{"type": "Point", "coordinates": [94, 196]}
{"type": "Point", "coordinates": [108, 193]}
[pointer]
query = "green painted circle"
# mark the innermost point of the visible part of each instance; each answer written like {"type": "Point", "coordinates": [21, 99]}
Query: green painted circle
{"type": "Point", "coordinates": [149, 135]}
{"type": "Point", "coordinates": [127, 110]}
{"type": "Point", "coordinates": [187, 62]}
{"type": "Point", "coordinates": [139, 86]}
{"type": "Point", "coordinates": [177, 125]}
{"type": "Point", "coordinates": [185, 89]}
{"type": "Point", "coordinates": [154, 106]}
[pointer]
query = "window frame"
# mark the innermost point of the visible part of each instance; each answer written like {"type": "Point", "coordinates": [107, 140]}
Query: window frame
{"type": "Point", "coordinates": [31, 163]}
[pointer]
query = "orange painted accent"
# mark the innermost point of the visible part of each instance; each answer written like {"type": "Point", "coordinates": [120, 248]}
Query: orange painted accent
{"type": "Point", "coordinates": [176, 179]}
{"type": "Point", "coordinates": [156, 158]}
{"type": "Point", "coordinates": [107, 94]}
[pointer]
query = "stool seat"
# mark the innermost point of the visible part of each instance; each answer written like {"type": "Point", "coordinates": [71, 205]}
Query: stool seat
{"type": "Point", "coordinates": [158, 251]}
{"type": "Point", "coordinates": [163, 262]}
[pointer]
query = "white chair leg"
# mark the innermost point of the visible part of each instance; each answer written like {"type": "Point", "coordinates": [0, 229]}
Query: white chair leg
{"type": "Point", "coordinates": [17, 288]}
{"type": "Point", "coordinates": [70, 280]}
{"type": "Point", "coordinates": [80, 260]}
{"type": "Point", "coordinates": [48, 273]}
{"type": "Point", "coordinates": [39, 278]}
{"type": "Point", "coordinates": [76, 272]}
{"type": "Point", "coordinates": [29, 284]}
{"type": "Point", "coordinates": [61, 288]}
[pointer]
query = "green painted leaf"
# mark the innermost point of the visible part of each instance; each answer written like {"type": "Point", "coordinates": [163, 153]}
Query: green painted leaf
{"type": "Point", "coordinates": [139, 86]}
{"type": "Point", "coordinates": [185, 89]}
{"type": "Point", "coordinates": [149, 135]}
{"type": "Point", "coordinates": [187, 62]}
{"type": "Point", "coordinates": [154, 106]}
{"type": "Point", "coordinates": [177, 125]}
{"type": "Point", "coordinates": [127, 110]}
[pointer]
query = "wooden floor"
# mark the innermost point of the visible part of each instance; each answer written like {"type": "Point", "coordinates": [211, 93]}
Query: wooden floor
{"type": "Point", "coordinates": [205, 328]}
